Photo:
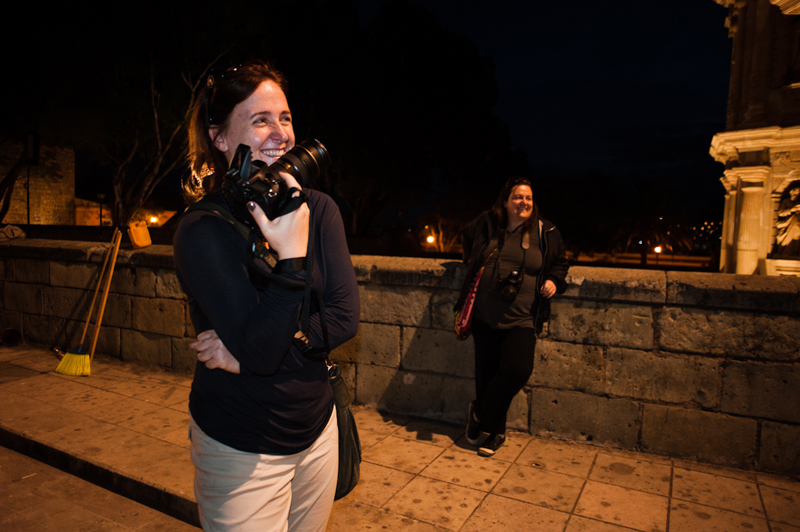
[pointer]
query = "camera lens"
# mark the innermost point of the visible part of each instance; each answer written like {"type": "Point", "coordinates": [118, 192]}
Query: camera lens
{"type": "Point", "coordinates": [304, 162]}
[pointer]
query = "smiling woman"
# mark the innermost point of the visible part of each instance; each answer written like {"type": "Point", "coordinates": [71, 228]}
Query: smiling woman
{"type": "Point", "coordinates": [516, 263]}
{"type": "Point", "coordinates": [263, 427]}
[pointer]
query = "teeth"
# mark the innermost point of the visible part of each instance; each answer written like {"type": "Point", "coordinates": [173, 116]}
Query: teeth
{"type": "Point", "coordinates": [272, 153]}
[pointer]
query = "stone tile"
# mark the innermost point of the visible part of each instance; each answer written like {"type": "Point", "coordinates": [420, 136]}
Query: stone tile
{"type": "Point", "coordinates": [466, 469]}
{"type": "Point", "coordinates": [499, 513]}
{"type": "Point", "coordinates": [635, 455]}
{"type": "Point", "coordinates": [634, 474]}
{"type": "Point", "coordinates": [624, 507]}
{"type": "Point", "coordinates": [405, 455]}
{"type": "Point", "coordinates": [168, 395]}
{"type": "Point", "coordinates": [436, 502]}
{"type": "Point", "coordinates": [783, 506]}
{"type": "Point", "coordinates": [126, 408]}
{"type": "Point", "coordinates": [371, 419]}
{"type": "Point", "coordinates": [158, 422]}
{"type": "Point", "coordinates": [739, 474]}
{"type": "Point", "coordinates": [91, 399]}
{"type": "Point", "coordinates": [583, 524]}
{"type": "Point", "coordinates": [561, 457]}
{"type": "Point", "coordinates": [719, 492]}
{"type": "Point", "coordinates": [540, 487]}
{"type": "Point", "coordinates": [429, 432]}
{"type": "Point", "coordinates": [378, 484]}
{"type": "Point", "coordinates": [781, 527]}
{"type": "Point", "coordinates": [369, 438]}
{"type": "Point", "coordinates": [778, 481]}
{"type": "Point", "coordinates": [689, 517]}
{"type": "Point", "coordinates": [349, 515]}
{"type": "Point", "coordinates": [179, 437]}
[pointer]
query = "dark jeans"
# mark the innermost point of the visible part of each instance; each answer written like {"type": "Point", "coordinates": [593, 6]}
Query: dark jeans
{"type": "Point", "coordinates": [503, 364]}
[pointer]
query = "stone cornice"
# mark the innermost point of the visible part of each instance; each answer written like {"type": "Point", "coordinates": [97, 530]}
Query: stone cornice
{"type": "Point", "coordinates": [726, 146]}
{"type": "Point", "coordinates": [788, 7]}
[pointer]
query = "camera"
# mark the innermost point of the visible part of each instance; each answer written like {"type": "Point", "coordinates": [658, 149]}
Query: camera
{"type": "Point", "coordinates": [510, 286]}
{"type": "Point", "coordinates": [247, 180]}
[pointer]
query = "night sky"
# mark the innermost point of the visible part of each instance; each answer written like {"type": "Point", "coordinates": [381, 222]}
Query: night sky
{"type": "Point", "coordinates": [612, 101]}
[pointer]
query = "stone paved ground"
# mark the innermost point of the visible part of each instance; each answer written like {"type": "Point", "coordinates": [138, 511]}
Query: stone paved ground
{"type": "Point", "coordinates": [125, 428]}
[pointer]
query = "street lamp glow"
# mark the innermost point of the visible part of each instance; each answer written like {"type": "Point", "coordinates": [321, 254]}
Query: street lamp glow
{"type": "Point", "coordinates": [657, 249]}
{"type": "Point", "coordinates": [430, 239]}
{"type": "Point", "coordinates": [153, 219]}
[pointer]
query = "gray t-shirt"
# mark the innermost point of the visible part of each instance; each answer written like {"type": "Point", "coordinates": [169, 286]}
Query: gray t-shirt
{"type": "Point", "coordinates": [490, 307]}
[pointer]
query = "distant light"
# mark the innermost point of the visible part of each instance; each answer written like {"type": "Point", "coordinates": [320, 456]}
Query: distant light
{"type": "Point", "coordinates": [430, 239]}
{"type": "Point", "coordinates": [657, 249]}
{"type": "Point", "coordinates": [153, 219]}
{"type": "Point", "coordinates": [640, 242]}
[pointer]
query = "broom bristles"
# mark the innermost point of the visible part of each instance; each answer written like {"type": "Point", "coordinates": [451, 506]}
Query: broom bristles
{"type": "Point", "coordinates": [75, 364]}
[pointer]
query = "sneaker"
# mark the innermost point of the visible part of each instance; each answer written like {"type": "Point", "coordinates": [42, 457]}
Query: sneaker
{"type": "Point", "coordinates": [473, 427]}
{"type": "Point", "coordinates": [492, 443]}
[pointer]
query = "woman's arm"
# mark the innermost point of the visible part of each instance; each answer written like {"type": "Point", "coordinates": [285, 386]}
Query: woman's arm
{"type": "Point", "coordinates": [257, 328]}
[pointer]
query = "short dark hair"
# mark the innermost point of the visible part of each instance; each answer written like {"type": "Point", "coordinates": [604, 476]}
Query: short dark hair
{"type": "Point", "coordinates": [224, 90]}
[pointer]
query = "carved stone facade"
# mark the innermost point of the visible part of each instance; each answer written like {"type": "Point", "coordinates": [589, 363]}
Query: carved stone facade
{"type": "Point", "coordinates": [761, 145]}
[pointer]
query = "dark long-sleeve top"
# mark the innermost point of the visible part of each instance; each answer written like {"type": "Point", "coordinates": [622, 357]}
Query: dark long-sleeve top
{"type": "Point", "coordinates": [477, 236]}
{"type": "Point", "coordinates": [281, 401]}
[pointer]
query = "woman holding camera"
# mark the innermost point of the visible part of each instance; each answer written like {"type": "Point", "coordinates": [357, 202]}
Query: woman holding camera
{"type": "Point", "coordinates": [524, 265]}
{"type": "Point", "coordinates": [263, 431]}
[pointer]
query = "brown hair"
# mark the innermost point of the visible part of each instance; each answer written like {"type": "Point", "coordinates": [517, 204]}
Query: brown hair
{"type": "Point", "coordinates": [224, 90]}
{"type": "Point", "coordinates": [499, 208]}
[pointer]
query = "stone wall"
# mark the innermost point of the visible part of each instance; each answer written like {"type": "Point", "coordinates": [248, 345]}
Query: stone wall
{"type": "Point", "coordinates": [691, 365]}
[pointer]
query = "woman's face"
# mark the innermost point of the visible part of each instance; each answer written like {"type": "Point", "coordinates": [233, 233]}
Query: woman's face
{"type": "Point", "coordinates": [262, 121]}
{"type": "Point", "coordinates": [519, 204]}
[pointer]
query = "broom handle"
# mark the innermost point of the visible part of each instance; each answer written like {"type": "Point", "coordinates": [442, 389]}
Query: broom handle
{"type": "Point", "coordinates": [105, 294]}
{"type": "Point", "coordinates": [97, 288]}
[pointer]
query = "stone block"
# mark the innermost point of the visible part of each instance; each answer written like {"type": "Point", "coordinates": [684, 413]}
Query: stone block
{"type": "Point", "coordinates": [156, 315]}
{"type": "Point", "coordinates": [395, 305]}
{"type": "Point", "coordinates": [31, 271]}
{"type": "Point", "coordinates": [701, 436]}
{"type": "Point", "coordinates": [108, 341]}
{"type": "Point", "coordinates": [81, 275]}
{"type": "Point", "coordinates": [597, 323]}
{"type": "Point", "coordinates": [374, 344]}
{"type": "Point", "coordinates": [442, 313]}
{"type": "Point", "coordinates": [406, 271]}
{"type": "Point", "coordinates": [118, 311]}
{"type": "Point", "coordinates": [437, 351]}
{"type": "Point", "coordinates": [11, 319]}
{"type": "Point", "coordinates": [348, 373]}
{"type": "Point", "coordinates": [43, 330]}
{"type": "Point", "coordinates": [458, 392]}
{"type": "Point", "coordinates": [184, 358]}
{"type": "Point", "coordinates": [584, 417]}
{"type": "Point", "coordinates": [762, 390]}
{"type": "Point", "coordinates": [566, 366]}
{"type": "Point", "coordinates": [70, 303]}
{"type": "Point", "coordinates": [134, 282]}
{"type": "Point", "coordinates": [723, 290]}
{"type": "Point", "coordinates": [779, 450]}
{"type": "Point", "coordinates": [187, 322]}
{"type": "Point", "coordinates": [664, 378]}
{"type": "Point", "coordinates": [616, 284]}
{"type": "Point", "coordinates": [729, 333]}
{"type": "Point", "coordinates": [145, 348]}
{"type": "Point", "coordinates": [398, 391]}
{"type": "Point", "coordinates": [22, 297]}
{"type": "Point", "coordinates": [167, 285]}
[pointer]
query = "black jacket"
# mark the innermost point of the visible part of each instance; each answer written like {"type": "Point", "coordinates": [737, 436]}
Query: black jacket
{"type": "Point", "coordinates": [477, 234]}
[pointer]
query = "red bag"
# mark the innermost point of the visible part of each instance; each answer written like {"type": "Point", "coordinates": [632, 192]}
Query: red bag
{"type": "Point", "coordinates": [464, 316]}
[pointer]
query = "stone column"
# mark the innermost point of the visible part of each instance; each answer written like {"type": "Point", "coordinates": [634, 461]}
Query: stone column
{"type": "Point", "coordinates": [747, 241]}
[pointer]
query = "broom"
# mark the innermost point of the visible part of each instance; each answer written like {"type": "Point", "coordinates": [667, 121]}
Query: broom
{"type": "Point", "coordinates": [76, 361]}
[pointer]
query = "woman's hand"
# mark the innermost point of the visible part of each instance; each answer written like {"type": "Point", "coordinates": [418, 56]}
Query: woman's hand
{"type": "Point", "coordinates": [287, 234]}
{"type": "Point", "coordinates": [548, 289]}
{"type": "Point", "coordinates": [213, 353]}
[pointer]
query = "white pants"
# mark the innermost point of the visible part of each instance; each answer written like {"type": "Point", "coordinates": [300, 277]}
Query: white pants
{"type": "Point", "coordinates": [243, 492]}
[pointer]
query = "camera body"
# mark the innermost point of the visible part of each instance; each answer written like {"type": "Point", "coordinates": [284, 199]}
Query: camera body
{"type": "Point", "coordinates": [247, 180]}
{"type": "Point", "coordinates": [510, 286]}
